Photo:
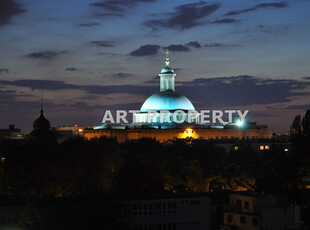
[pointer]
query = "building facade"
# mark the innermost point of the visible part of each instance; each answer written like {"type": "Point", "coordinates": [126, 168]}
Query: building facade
{"type": "Point", "coordinates": [255, 212]}
{"type": "Point", "coordinates": [166, 212]}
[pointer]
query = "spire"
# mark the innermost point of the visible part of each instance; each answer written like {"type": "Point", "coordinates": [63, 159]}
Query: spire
{"type": "Point", "coordinates": [167, 58]}
{"type": "Point", "coordinates": [167, 76]}
{"type": "Point", "coordinates": [41, 103]}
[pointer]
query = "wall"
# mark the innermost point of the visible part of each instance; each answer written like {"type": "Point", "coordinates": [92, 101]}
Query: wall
{"type": "Point", "coordinates": [167, 134]}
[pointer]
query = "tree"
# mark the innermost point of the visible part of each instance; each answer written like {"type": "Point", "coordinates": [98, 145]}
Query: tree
{"type": "Point", "coordinates": [306, 127]}
{"type": "Point", "coordinates": [295, 130]}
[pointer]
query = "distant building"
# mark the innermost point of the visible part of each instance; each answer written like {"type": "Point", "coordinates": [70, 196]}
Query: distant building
{"type": "Point", "coordinates": [166, 212]}
{"type": "Point", "coordinates": [255, 212]}
{"type": "Point", "coordinates": [256, 144]}
{"type": "Point", "coordinates": [42, 130]}
{"type": "Point", "coordinates": [12, 133]}
{"type": "Point", "coordinates": [64, 133]}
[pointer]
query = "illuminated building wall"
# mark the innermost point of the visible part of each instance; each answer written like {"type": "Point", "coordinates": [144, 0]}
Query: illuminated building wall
{"type": "Point", "coordinates": [167, 134]}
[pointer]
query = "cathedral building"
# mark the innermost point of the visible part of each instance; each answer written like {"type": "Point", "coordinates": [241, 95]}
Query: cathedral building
{"type": "Point", "coordinates": [41, 132]}
{"type": "Point", "coordinates": [170, 102]}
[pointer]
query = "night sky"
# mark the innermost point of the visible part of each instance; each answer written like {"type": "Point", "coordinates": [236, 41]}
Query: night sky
{"type": "Point", "coordinates": [87, 56]}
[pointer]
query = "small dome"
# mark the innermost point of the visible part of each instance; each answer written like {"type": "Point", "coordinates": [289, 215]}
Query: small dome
{"type": "Point", "coordinates": [167, 100]}
{"type": "Point", "coordinates": [167, 69]}
{"type": "Point", "coordinates": [41, 123]}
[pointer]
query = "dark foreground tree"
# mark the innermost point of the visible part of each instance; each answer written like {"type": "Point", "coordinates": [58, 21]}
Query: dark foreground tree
{"type": "Point", "coordinates": [95, 212]}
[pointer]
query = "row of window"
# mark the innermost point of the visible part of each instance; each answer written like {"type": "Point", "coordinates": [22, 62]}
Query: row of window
{"type": "Point", "coordinates": [246, 204]}
{"type": "Point", "coordinates": [243, 220]}
{"type": "Point", "coordinates": [191, 224]}
{"type": "Point", "coordinates": [194, 202]}
{"type": "Point", "coordinates": [163, 208]}
{"type": "Point", "coordinates": [230, 137]}
{"type": "Point", "coordinates": [142, 209]}
{"type": "Point", "coordinates": [146, 209]}
{"type": "Point", "coordinates": [166, 208]}
{"type": "Point", "coordinates": [264, 147]}
{"type": "Point", "coordinates": [143, 227]}
{"type": "Point", "coordinates": [167, 226]}
{"type": "Point", "coordinates": [170, 226]}
{"type": "Point", "coordinates": [261, 147]}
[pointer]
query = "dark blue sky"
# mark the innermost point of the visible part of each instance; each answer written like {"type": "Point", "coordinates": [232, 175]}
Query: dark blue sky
{"type": "Point", "coordinates": [88, 56]}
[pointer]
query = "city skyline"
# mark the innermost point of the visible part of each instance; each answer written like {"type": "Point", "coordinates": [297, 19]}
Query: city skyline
{"type": "Point", "coordinates": [89, 56]}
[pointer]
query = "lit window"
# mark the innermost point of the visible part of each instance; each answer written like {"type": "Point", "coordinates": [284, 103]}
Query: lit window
{"type": "Point", "coordinates": [267, 147]}
{"type": "Point", "coordinates": [285, 150]}
{"type": "Point", "coordinates": [236, 148]}
{"type": "Point", "coordinates": [261, 147]}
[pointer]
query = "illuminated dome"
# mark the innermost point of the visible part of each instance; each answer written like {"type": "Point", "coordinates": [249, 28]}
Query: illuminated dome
{"type": "Point", "coordinates": [167, 100]}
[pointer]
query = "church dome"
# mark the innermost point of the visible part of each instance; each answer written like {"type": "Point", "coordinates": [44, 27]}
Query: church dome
{"type": "Point", "coordinates": [41, 123]}
{"type": "Point", "coordinates": [167, 100]}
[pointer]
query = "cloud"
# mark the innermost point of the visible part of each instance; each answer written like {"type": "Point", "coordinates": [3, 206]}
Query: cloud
{"type": "Point", "coordinates": [61, 85]}
{"type": "Point", "coordinates": [225, 21]}
{"type": "Point", "coordinates": [6, 96]}
{"type": "Point", "coordinates": [185, 16]}
{"type": "Point", "coordinates": [212, 45]}
{"type": "Point", "coordinates": [4, 71]}
{"type": "Point", "coordinates": [116, 7]}
{"type": "Point", "coordinates": [146, 50]}
{"type": "Point", "coordinates": [242, 90]}
{"type": "Point", "coordinates": [9, 9]}
{"type": "Point", "coordinates": [89, 24]}
{"type": "Point", "coordinates": [276, 30]}
{"type": "Point", "coordinates": [71, 69]}
{"type": "Point", "coordinates": [223, 91]}
{"type": "Point", "coordinates": [103, 43]}
{"type": "Point", "coordinates": [121, 75]}
{"type": "Point", "coordinates": [177, 48]}
{"type": "Point", "coordinates": [39, 84]}
{"type": "Point", "coordinates": [257, 7]}
{"type": "Point", "coordinates": [44, 55]}
{"type": "Point", "coordinates": [193, 44]}
{"type": "Point", "coordinates": [298, 107]}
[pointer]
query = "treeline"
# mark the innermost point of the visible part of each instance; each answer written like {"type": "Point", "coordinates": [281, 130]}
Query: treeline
{"type": "Point", "coordinates": [78, 167]}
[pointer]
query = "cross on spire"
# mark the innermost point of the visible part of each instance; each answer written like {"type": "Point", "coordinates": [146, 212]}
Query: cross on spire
{"type": "Point", "coordinates": [167, 58]}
